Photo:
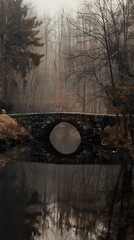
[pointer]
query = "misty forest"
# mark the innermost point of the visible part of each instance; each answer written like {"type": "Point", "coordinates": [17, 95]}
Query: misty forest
{"type": "Point", "coordinates": [67, 121]}
{"type": "Point", "coordinates": [79, 62]}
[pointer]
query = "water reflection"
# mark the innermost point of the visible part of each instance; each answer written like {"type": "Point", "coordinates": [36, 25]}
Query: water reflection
{"type": "Point", "coordinates": [65, 138]}
{"type": "Point", "coordinates": [56, 202]}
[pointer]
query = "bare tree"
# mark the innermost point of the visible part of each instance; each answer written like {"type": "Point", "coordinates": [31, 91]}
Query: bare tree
{"type": "Point", "coordinates": [104, 29]}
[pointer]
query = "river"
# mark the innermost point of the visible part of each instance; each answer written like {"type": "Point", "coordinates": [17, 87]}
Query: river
{"type": "Point", "coordinates": [48, 201]}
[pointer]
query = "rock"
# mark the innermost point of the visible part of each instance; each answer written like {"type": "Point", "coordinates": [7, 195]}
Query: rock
{"type": "Point", "coordinates": [3, 111]}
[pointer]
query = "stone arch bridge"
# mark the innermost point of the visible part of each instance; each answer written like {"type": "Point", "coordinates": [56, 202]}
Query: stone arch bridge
{"type": "Point", "coordinates": [89, 126]}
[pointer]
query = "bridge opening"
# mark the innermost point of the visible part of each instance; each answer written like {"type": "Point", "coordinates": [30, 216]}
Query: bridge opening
{"type": "Point", "coordinates": [65, 138]}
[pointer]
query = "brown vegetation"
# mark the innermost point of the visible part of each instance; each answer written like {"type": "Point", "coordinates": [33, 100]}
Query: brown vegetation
{"type": "Point", "coordinates": [11, 132]}
{"type": "Point", "coordinates": [116, 137]}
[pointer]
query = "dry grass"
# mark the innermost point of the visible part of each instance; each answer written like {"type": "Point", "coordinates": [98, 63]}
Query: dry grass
{"type": "Point", "coordinates": [115, 137]}
{"type": "Point", "coordinates": [11, 130]}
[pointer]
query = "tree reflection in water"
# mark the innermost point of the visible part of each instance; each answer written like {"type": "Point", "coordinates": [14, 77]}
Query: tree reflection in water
{"type": "Point", "coordinates": [67, 202]}
{"type": "Point", "coordinates": [20, 212]}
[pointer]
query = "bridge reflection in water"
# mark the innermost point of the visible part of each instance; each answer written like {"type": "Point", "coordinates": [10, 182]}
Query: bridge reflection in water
{"type": "Point", "coordinates": [57, 202]}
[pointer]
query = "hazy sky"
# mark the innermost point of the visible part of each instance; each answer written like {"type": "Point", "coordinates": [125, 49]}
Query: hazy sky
{"type": "Point", "coordinates": [55, 5]}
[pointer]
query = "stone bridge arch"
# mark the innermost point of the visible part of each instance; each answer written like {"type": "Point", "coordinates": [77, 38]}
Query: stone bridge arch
{"type": "Point", "coordinates": [89, 126]}
{"type": "Point", "coordinates": [41, 124]}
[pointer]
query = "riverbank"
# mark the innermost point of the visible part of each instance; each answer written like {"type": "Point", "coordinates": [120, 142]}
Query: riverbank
{"type": "Point", "coordinates": [11, 133]}
{"type": "Point", "coordinates": [115, 137]}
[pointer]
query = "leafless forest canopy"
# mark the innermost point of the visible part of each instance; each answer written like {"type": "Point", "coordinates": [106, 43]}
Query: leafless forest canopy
{"type": "Point", "coordinates": [82, 62]}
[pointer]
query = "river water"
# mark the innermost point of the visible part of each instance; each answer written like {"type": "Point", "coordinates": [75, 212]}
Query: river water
{"type": "Point", "coordinates": [47, 201]}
